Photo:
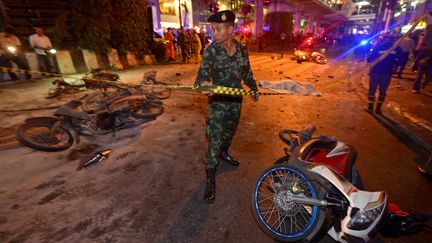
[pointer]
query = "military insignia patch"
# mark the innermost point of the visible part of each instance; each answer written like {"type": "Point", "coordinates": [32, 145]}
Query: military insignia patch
{"type": "Point", "coordinates": [223, 17]}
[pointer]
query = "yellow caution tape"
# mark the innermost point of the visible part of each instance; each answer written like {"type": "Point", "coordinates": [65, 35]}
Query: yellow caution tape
{"type": "Point", "coordinates": [216, 90]}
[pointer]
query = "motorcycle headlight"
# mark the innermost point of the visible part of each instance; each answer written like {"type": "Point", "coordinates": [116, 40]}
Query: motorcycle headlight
{"type": "Point", "coordinates": [363, 219]}
{"type": "Point", "coordinates": [52, 51]}
{"type": "Point", "coordinates": [11, 49]}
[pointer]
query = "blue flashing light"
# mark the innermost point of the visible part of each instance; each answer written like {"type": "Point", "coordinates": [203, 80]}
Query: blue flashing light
{"type": "Point", "coordinates": [363, 42]}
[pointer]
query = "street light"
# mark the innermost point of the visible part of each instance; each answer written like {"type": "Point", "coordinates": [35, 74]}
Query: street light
{"type": "Point", "coordinates": [363, 3]}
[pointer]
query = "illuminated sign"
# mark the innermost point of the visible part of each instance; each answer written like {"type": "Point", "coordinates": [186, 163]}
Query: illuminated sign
{"type": "Point", "coordinates": [167, 7]}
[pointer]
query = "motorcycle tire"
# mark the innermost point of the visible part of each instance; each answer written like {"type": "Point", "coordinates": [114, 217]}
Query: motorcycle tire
{"type": "Point", "coordinates": [140, 107]}
{"type": "Point", "coordinates": [158, 92]}
{"type": "Point", "coordinates": [275, 217]}
{"type": "Point", "coordinates": [44, 141]}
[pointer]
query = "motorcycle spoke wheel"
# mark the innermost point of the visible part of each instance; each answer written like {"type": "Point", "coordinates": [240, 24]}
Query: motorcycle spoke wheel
{"type": "Point", "coordinates": [42, 137]}
{"type": "Point", "coordinates": [275, 211]}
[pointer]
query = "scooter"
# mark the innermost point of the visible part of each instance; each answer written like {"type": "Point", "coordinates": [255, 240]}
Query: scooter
{"type": "Point", "coordinates": [315, 189]}
{"type": "Point", "coordinates": [302, 56]}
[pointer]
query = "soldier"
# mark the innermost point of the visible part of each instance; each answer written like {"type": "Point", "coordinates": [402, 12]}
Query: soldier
{"type": "Point", "coordinates": [225, 63]}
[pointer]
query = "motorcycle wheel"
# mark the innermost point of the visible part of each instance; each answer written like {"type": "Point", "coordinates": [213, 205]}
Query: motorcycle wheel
{"type": "Point", "coordinates": [158, 92]}
{"type": "Point", "coordinates": [38, 136]}
{"type": "Point", "coordinates": [139, 107]}
{"type": "Point", "coordinates": [288, 221]}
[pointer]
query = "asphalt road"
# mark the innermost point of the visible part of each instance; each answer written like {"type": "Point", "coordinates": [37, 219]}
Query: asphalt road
{"type": "Point", "coordinates": [151, 187]}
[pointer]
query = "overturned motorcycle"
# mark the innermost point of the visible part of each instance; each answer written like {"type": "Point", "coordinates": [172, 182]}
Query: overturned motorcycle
{"type": "Point", "coordinates": [316, 189]}
{"type": "Point", "coordinates": [303, 56]}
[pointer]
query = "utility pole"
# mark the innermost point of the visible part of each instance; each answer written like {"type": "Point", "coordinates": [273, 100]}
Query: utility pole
{"type": "Point", "coordinates": [180, 15]}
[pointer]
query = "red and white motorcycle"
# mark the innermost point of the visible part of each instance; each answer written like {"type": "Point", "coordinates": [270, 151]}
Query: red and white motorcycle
{"type": "Point", "coordinates": [316, 189]}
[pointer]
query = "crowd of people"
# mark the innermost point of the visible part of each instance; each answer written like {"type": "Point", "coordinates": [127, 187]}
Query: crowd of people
{"type": "Point", "coordinates": [185, 44]}
{"type": "Point", "coordinates": [11, 51]}
{"type": "Point", "coordinates": [416, 47]}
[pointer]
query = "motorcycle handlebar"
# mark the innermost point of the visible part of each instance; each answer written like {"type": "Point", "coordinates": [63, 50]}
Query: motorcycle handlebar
{"type": "Point", "coordinates": [290, 139]}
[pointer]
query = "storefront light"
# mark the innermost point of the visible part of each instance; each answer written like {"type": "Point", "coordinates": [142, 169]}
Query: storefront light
{"type": "Point", "coordinates": [363, 3]}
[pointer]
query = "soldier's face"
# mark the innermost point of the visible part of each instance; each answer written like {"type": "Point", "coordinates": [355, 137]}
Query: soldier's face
{"type": "Point", "coordinates": [221, 31]}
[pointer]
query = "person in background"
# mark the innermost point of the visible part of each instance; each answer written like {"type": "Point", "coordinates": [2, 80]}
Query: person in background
{"type": "Point", "coordinates": [201, 35]}
{"type": "Point", "coordinates": [41, 45]}
{"type": "Point", "coordinates": [183, 42]}
{"type": "Point", "coordinates": [404, 49]}
{"type": "Point", "coordinates": [196, 45]}
{"type": "Point", "coordinates": [380, 73]}
{"type": "Point", "coordinates": [169, 45]}
{"type": "Point", "coordinates": [260, 42]}
{"type": "Point", "coordinates": [419, 51]}
{"type": "Point", "coordinates": [10, 51]}
{"type": "Point", "coordinates": [425, 68]}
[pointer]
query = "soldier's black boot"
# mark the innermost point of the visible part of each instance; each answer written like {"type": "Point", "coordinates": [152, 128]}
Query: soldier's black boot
{"type": "Point", "coordinates": [210, 190]}
{"type": "Point", "coordinates": [227, 158]}
{"type": "Point", "coordinates": [371, 102]}
{"type": "Point", "coordinates": [379, 104]}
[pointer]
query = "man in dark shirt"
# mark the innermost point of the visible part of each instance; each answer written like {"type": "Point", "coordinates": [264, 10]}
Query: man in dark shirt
{"type": "Point", "coordinates": [225, 63]}
{"type": "Point", "coordinates": [380, 73]}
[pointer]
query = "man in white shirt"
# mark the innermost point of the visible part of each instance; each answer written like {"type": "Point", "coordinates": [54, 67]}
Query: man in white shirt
{"type": "Point", "coordinates": [404, 49]}
{"type": "Point", "coordinates": [10, 51]}
{"type": "Point", "coordinates": [41, 44]}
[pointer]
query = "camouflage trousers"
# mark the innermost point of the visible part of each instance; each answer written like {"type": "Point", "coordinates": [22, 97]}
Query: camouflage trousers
{"type": "Point", "coordinates": [222, 120]}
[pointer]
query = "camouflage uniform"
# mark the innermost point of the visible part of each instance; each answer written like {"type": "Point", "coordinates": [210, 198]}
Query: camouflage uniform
{"type": "Point", "coordinates": [223, 111]}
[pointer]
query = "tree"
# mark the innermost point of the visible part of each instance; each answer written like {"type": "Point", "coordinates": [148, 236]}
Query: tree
{"type": "Point", "coordinates": [98, 25]}
{"type": "Point", "coordinates": [130, 30]}
{"type": "Point", "coordinates": [90, 26]}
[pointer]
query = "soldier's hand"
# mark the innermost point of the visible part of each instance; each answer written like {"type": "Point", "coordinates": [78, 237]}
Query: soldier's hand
{"type": "Point", "coordinates": [206, 84]}
{"type": "Point", "coordinates": [255, 98]}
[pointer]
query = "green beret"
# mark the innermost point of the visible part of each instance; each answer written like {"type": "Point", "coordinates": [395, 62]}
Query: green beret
{"type": "Point", "coordinates": [225, 16]}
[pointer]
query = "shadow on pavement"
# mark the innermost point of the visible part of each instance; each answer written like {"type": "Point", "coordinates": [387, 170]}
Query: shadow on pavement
{"type": "Point", "coordinates": [401, 134]}
{"type": "Point", "coordinates": [191, 220]}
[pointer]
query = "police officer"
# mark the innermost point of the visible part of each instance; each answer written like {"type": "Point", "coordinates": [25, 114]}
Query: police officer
{"type": "Point", "coordinates": [225, 63]}
{"type": "Point", "coordinates": [380, 73]}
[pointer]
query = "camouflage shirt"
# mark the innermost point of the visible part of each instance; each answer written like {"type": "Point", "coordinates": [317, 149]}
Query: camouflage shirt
{"type": "Point", "coordinates": [225, 70]}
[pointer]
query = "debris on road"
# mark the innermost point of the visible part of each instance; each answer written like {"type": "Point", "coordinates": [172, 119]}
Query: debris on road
{"type": "Point", "coordinates": [291, 87]}
{"type": "Point", "coordinates": [94, 159]}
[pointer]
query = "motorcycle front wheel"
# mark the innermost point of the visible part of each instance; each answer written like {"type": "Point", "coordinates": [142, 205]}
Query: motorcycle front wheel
{"type": "Point", "coordinates": [280, 217]}
{"type": "Point", "coordinates": [43, 137]}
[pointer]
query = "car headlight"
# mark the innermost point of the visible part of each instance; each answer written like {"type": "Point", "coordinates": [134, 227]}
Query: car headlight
{"type": "Point", "coordinates": [52, 51]}
{"type": "Point", "coordinates": [363, 219]}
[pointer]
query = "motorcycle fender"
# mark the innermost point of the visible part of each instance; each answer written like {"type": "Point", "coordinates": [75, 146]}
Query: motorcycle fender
{"type": "Point", "coordinates": [42, 119]}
